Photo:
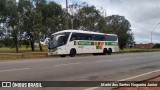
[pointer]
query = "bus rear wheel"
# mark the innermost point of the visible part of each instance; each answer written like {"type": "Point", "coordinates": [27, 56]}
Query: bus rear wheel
{"type": "Point", "coordinates": [109, 51]}
{"type": "Point", "coordinates": [72, 52]}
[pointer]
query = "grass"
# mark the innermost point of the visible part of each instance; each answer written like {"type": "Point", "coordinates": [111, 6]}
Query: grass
{"type": "Point", "coordinates": [35, 55]}
{"type": "Point", "coordinates": [26, 53]}
{"type": "Point", "coordinates": [9, 54]}
{"type": "Point", "coordinates": [10, 57]}
{"type": "Point", "coordinates": [22, 49]}
{"type": "Point", "coordinates": [139, 50]}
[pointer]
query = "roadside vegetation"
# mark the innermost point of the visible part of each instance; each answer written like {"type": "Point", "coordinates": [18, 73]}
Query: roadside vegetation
{"type": "Point", "coordinates": [136, 50]}
{"type": "Point", "coordinates": [25, 22]}
{"type": "Point", "coordinates": [26, 53]}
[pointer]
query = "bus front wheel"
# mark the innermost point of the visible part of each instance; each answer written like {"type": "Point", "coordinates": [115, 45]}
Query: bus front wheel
{"type": "Point", "coordinates": [109, 51]}
{"type": "Point", "coordinates": [104, 51]}
{"type": "Point", "coordinates": [72, 52]}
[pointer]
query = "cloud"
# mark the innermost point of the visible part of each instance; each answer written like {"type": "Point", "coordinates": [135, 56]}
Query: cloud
{"type": "Point", "coordinates": [143, 15]}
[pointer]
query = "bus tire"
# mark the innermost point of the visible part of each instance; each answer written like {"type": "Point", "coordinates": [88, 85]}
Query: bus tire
{"type": "Point", "coordinates": [62, 55]}
{"type": "Point", "coordinates": [72, 52]}
{"type": "Point", "coordinates": [109, 51]}
{"type": "Point", "coordinates": [105, 51]}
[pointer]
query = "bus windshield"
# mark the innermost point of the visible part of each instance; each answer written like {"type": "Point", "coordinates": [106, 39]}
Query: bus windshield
{"type": "Point", "coordinates": [57, 40]}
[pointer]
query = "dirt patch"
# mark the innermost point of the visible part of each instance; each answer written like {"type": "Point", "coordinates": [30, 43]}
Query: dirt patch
{"type": "Point", "coordinates": [141, 88]}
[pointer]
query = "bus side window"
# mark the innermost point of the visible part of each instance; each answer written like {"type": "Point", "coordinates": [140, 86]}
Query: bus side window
{"type": "Point", "coordinates": [76, 36]}
{"type": "Point", "coordinates": [86, 37]}
{"type": "Point", "coordinates": [73, 37]}
{"type": "Point", "coordinates": [79, 36]}
{"type": "Point", "coordinates": [106, 38]}
{"type": "Point", "coordinates": [82, 35]}
{"type": "Point", "coordinates": [102, 38]}
{"type": "Point", "coordinates": [94, 37]}
{"type": "Point", "coordinates": [111, 38]}
{"type": "Point", "coordinates": [90, 37]}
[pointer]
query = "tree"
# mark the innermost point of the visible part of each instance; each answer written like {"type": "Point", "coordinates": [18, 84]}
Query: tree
{"type": "Point", "coordinates": [130, 41]}
{"type": "Point", "coordinates": [1, 34]}
{"type": "Point", "coordinates": [89, 17]}
{"type": "Point", "coordinates": [2, 17]}
{"type": "Point", "coordinates": [38, 19]}
{"type": "Point", "coordinates": [13, 21]}
{"type": "Point", "coordinates": [48, 19]}
{"type": "Point", "coordinates": [26, 9]}
{"type": "Point", "coordinates": [84, 17]}
{"type": "Point", "coordinates": [157, 45]}
{"type": "Point", "coordinates": [2, 10]}
{"type": "Point", "coordinates": [38, 28]}
{"type": "Point", "coordinates": [73, 16]}
{"type": "Point", "coordinates": [53, 17]}
{"type": "Point", "coordinates": [120, 26]}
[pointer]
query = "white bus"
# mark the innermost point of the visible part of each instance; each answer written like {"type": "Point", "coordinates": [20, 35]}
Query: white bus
{"type": "Point", "coordinates": [72, 42]}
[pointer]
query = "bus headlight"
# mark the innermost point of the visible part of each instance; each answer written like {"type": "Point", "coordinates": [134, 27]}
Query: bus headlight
{"type": "Point", "coordinates": [53, 50]}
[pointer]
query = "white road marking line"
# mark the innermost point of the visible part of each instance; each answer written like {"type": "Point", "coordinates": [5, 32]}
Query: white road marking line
{"type": "Point", "coordinates": [66, 64]}
{"type": "Point", "coordinates": [139, 75]}
{"type": "Point", "coordinates": [14, 69]}
{"type": "Point", "coordinates": [104, 60]}
{"type": "Point", "coordinates": [155, 56]}
{"type": "Point", "coordinates": [139, 57]}
{"type": "Point", "coordinates": [124, 59]}
{"type": "Point", "coordinates": [93, 88]}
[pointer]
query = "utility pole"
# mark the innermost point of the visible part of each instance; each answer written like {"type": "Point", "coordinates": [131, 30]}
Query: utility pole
{"type": "Point", "coordinates": [66, 14]}
{"type": "Point", "coordinates": [153, 30]}
{"type": "Point", "coordinates": [67, 6]}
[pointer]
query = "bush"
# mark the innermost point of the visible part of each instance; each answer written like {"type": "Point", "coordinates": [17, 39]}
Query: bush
{"type": "Point", "coordinates": [8, 42]}
{"type": "Point", "coordinates": [157, 45]}
{"type": "Point", "coordinates": [1, 45]}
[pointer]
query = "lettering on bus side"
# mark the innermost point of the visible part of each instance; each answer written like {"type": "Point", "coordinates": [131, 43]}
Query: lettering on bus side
{"type": "Point", "coordinates": [99, 45]}
{"type": "Point", "coordinates": [80, 46]}
{"type": "Point", "coordinates": [83, 43]}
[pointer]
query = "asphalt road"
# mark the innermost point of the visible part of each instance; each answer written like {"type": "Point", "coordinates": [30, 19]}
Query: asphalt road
{"type": "Point", "coordinates": [122, 67]}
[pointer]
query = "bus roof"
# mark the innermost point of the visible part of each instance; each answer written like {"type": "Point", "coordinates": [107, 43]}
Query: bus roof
{"type": "Point", "coordinates": [82, 31]}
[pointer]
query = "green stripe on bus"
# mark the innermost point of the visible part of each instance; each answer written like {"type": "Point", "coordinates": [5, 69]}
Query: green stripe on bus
{"type": "Point", "coordinates": [97, 47]}
{"type": "Point", "coordinates": [111, 43]}
{"type": "Point", "coordinates": [74, 42]}
{"type": "Point", "coordinates": [91, 43]}
{"type": "Point", "coordinates": [106, 43]}
{"type": "Point", "coordinates": [83, 43]}
{"type": "Point", "coordinates": [99, 43]}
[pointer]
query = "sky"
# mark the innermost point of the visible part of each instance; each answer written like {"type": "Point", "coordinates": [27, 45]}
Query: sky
{"type": "Point", "coordinates": [144, 15]}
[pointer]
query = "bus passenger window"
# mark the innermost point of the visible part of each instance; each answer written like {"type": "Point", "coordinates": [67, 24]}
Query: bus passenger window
{"type": "Point", "coordinates": [73, 37]}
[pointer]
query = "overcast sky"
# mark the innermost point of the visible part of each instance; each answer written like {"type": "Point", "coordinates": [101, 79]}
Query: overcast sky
{"type": "Point", "coordinates": [144, 15]}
